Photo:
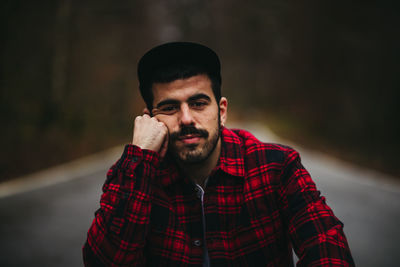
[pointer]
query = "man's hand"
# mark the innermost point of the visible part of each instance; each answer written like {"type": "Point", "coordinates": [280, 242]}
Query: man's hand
{"type": "Point", "coordinates": [149, 133]}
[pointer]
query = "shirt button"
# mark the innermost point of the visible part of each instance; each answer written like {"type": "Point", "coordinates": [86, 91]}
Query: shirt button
{"type": "Point", "coordinates": [197, 243]}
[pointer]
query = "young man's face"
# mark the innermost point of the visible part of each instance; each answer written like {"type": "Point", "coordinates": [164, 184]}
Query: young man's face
{"type": "Point", "coordinates": [189, 110]}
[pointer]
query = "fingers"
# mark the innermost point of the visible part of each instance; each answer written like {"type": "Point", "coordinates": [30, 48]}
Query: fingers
{"type": "Point", "coordinates": [145, 116]}
{"type": "Point", "coordinates": [146, 111]}
{"type": "Point", "coordinates": [149, 133]}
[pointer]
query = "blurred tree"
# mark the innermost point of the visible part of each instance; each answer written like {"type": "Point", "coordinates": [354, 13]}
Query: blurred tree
{"type": "Point", "coordinates": [320, 72]}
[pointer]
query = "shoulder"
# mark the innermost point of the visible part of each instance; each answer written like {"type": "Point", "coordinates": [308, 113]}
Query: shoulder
{"type": "Point", "coordinates": [262, 151]}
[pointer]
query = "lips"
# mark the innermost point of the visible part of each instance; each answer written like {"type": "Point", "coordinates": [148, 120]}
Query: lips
{"type": "Point", "coordinates": [189, 138]}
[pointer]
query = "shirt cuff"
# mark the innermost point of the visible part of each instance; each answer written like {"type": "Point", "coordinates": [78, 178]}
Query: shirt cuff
{"type": "Point", "coordinates": [135, 154]}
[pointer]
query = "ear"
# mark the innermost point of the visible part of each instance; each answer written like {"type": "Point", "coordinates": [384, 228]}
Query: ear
{"type": "Point", "coordinates": [223, 110]}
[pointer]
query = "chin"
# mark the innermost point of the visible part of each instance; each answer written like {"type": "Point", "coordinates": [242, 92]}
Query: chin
{"type": "Point", "coordinates": [192, 156]}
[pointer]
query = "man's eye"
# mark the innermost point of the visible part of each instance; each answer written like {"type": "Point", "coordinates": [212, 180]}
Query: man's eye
{"type": "Point", "coordinates": [198, 104]}
{"type": "Point", "coordinates": [168, 109]}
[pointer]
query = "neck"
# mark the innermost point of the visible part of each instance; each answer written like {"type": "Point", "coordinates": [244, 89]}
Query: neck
{"type": "Point", "coordinates": [198, 172]}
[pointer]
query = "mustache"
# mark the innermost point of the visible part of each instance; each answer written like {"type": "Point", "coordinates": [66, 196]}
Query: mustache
{"type": "Point", "coordinates": [186, 130]}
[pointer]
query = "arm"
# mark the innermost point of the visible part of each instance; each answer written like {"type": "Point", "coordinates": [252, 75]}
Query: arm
{"type": "Point", "coordinates": [317, 235]}
{"type": "Point", "coordinates": [117, 235]}
{"type": "Point", "coordinates": [119, 229]}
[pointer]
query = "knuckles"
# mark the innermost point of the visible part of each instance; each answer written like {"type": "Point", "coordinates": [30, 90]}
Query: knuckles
{"type": "Point", "coordinates": [146, 120]}
{"type": "Point", "coordinates": [149, 132]}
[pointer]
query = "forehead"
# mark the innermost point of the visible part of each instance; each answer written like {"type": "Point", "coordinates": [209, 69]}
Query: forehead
{"type": "Point", "coordinates": [182, 89]}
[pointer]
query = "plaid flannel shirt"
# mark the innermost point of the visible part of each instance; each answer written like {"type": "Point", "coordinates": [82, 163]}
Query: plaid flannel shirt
{"type": "Point", "coordinates": [259, 203]}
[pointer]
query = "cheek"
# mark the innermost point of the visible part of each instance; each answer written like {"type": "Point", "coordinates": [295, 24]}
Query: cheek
{"type": "Point", "coordinates": [211, 120]}
{"type": "Point", "coordinates": [168, 121]}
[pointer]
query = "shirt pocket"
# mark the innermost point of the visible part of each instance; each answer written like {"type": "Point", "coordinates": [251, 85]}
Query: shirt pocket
{"type": "Point", "coordinates": [166, 234]}
{"type": "Point", "coordinates": [161, 218]}
{"type": "Point", "coordinates": [260, 214]}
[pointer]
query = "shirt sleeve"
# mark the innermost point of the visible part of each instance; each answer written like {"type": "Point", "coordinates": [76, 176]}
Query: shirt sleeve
{"type": "Point", "coordinates": [317, 235]}
{"type": "Point", "coordinates": [118, 232]}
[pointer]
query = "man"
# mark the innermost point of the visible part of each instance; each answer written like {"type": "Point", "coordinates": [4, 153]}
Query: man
{"type": "Point", "coordinates": [190, 192]}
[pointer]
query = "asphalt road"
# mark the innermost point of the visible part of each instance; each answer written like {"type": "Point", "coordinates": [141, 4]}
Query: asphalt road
{"type": "Point", "coordinates": [45, 216]}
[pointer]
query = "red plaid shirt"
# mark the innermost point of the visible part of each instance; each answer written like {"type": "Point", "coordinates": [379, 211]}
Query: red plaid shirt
{"type": "Point", "coordinates": [259, 203]}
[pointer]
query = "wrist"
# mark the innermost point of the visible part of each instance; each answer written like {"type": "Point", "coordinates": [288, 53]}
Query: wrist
{"type": "Point", "coordinates": [137, 153]}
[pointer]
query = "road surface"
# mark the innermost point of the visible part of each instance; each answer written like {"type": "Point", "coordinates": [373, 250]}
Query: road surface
{"type": "Point", "coordinates": [45, 216]}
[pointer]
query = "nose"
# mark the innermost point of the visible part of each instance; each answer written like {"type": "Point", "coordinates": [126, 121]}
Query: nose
{"type": "Point", "coordinates": [186, 116]}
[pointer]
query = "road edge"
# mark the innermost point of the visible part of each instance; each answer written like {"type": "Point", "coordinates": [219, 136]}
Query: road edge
{"type": "Point", "coordinates": [61, 173]}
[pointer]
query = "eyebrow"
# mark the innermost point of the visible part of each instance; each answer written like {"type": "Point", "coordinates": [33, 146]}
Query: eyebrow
{"type": "Point", "coordinates": [199, 96]}
{"type": "Point", "coordinates": [176, 102]}
{"type": "Point", "coordinates": [167, 102]}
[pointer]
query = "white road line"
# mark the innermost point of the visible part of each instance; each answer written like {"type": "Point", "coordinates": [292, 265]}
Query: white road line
{"type": "Point", "coordinates": [103, 160]}
{"type": "Point", "coordinates": [61, 173]}
{"type": "Point", "coordinates": [340, 168]}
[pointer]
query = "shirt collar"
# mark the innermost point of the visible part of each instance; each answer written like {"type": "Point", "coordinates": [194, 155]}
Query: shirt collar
{"type": "Point", "coordinates": [231, 159]}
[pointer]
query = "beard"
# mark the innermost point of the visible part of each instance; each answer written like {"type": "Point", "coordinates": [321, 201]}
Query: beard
{"type": "Point", "coordinates": [194, 153]}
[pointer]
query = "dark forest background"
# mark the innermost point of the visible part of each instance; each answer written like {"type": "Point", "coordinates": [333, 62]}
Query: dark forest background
{"type": "Point", "coordinates": [322, 73]}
